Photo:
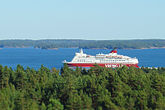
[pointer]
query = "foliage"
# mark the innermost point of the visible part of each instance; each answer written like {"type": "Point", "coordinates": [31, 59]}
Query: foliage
{"type": "Point", "coordinates": [61, 43]}
{"type": "Point", "coordinates": [79, 89]}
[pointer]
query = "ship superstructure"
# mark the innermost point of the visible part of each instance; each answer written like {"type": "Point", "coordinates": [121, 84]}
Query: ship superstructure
{"type": "Point", "coordinates": [105, 60]}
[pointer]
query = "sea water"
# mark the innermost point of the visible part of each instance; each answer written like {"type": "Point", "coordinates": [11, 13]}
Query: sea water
{"type": "Point", "coordinates": [34, 58]}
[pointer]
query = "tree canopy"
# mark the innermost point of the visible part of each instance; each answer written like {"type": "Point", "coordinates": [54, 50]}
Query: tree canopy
{"type": "Point", "coordinates": [70, 43]}
{"type": "Point", "coordinates": [97, 88]}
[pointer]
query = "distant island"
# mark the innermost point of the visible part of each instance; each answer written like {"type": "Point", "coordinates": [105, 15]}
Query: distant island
{"type": "Point", "coordinates": [87, 44]}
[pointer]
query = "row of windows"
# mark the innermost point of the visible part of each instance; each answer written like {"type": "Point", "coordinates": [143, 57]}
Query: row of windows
{"type": "Point", "coordinates": [100, 60]}
{"type": "Point", "coordinates": [112, 60]}
{"type": "Point", "coordinates": [84, 61]}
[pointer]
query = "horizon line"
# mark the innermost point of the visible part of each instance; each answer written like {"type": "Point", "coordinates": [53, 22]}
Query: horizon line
{"type": "Point", "coordinates": [82, 39]}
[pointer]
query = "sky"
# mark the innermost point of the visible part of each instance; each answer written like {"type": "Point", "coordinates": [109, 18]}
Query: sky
{"type": "Point", "coordinates": [82, 19]}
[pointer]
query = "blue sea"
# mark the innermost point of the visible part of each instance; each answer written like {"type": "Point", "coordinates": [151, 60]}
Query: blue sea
{"type": "Point", "coordinates": [34, 58]}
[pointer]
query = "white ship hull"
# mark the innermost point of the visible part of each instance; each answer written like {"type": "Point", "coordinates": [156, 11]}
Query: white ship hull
{"type": "Point", "coordinates": [105, 60]}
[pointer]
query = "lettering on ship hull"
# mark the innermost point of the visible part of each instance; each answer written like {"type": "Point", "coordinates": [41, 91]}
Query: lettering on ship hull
{"type": "Point", "coordinates": [112, 65]}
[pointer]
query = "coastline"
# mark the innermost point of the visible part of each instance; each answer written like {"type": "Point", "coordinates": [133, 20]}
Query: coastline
{"type": "Point", "coordinates": [133, 48]}
{"type": "Point", "coordinates": [154, 48]}
{"type": "Point", "coordinates": [90, 48]}
{"type": "Point", "coordinates": [52, 49]}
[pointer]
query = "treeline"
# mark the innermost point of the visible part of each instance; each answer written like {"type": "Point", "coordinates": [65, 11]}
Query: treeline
{"type": "Point", "coordinates": [95, 89]}
{"type": "Point", "coordinates": [63, 43]}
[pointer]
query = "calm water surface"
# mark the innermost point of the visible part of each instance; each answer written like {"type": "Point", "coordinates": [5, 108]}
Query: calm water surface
{"type": "Point", "coordinates": [34, 58]}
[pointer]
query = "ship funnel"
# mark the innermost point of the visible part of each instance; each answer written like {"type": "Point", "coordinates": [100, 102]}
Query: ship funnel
{"type": "Point", "coordinates": [114, 50]}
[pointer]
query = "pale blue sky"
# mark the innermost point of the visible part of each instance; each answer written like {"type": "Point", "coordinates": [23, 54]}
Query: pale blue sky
{"type": "Point", "coordinates": [82, 19]}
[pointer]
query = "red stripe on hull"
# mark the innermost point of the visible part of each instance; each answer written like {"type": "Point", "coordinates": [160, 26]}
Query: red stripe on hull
{"type": "Point", "coordinates": [100, 64]}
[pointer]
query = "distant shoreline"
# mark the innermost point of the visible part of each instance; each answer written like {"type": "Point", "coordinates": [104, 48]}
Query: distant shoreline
{"type": "Point", "coordinates": [87, 48]}
{"type": "Point", "coordinates": [154, 48]}
{"type": "Point", "coordinates": [54, 44]}
{"type": "Point", "coordinates": [133, 48]}
{"type": "Point", "coordinates": [52, 49]}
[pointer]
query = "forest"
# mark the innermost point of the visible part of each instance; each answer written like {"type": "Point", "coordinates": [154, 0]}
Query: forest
{"type": "Point", "coordinates": [97, 88]}
{"type": "Point", "coordinates": [90, 44]}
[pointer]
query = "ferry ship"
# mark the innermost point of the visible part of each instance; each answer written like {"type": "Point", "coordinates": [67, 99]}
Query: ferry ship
{"type": "Point", "coordinates": [111, 60]}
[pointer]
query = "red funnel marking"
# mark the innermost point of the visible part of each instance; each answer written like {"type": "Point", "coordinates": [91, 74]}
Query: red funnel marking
{"type": "Point", "coordinates": [113, 51]}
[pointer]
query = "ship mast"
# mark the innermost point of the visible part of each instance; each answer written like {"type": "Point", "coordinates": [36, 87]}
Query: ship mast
{"type": "Point", "coordinates": [81, 51]}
